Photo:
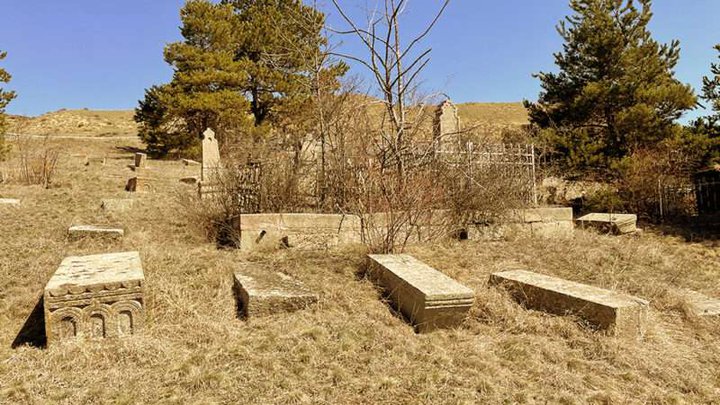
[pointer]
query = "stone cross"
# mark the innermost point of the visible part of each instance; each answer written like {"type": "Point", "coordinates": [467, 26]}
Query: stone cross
{"type": "Point", "coordinates": [210, 155]}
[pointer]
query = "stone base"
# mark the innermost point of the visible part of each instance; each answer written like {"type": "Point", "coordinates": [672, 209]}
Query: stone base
{"type": "Point", "coordinates": [618, 313]}
{"type": "Point", "coordinates": [84, 231]}
{"type": "Point", "coordinates": [95, 296]}
{"type": "Point", "coordinates": [617, 224]}
{"type": "Point", "coordinates": [429, 299]}
{"type": "Point", "coordinates": [270, 293]}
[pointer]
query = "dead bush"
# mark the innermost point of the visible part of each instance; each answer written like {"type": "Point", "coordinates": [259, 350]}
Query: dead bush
{"type": "Point", "coordinates": [34, 162]}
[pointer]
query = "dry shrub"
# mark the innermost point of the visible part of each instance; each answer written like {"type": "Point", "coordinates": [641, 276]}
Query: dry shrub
{"type": "Point", "coordinates": [35, 161]}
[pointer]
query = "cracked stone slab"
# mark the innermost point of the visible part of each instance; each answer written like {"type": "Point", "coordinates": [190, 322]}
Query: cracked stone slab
{"type": "Point", "coordinates": [618, 313]}
{"type": "Point", "coordinates": [267, 293]}
{"type": "Point", "coordinates": [428, 298]}
{"type": "Point", "coordinates": [96, 296]}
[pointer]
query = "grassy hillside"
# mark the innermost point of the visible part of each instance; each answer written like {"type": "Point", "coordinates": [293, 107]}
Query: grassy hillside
{"type": "Point", "coordinates": [351, 347]}
{"type": "Point", "coordinates": [76, 122]}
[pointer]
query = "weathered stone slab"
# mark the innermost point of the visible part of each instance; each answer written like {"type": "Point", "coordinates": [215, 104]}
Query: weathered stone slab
{"type": "Point", "coordinates": [101, 160]}
{"type": "Point", "coordinates": [95, 296]}
{"type": "Point", "coordinates": [605, 309]}
{"type": "Point", "coordinates": [84, 231]}
{"type": "Point", "coordinates": [427, 297]}
{"type": "Point", "coordinates": [117, 204]}
{"type": "Point", "coordinates": [615, 223]}
{"type": "Point", "coordinates": [9, 202]}
{"type": "Point", "coordinates": [701, 304]}
{"type": "Point", "coordinates": [267, 293]}
{"type": "Point", "coordinates": [140, 159]}
{"type": "Point", "coordinates": [303, 231]}
{"type": "Point", "coordinates": [137, 184]}
{"type": "Point", "coordinates": [210, 156]}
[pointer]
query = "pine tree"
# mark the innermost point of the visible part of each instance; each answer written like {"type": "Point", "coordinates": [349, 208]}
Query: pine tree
{"type": "Point", "coordinates": [242, 64]}
{"type": "Point", "coordinates": [615, 92]}
{"type": "Point", "coordinates": [5, 98]}
{"type": "Point", "coordinates": [711, 94]}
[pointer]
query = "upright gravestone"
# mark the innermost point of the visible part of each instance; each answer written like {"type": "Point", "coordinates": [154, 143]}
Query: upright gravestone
{"type": "Point", "coordinates": [447, 122]}
{"type": "Point", "coordinates": [140, 160]}
{"type": "Point", "coordinates": [211, 156]}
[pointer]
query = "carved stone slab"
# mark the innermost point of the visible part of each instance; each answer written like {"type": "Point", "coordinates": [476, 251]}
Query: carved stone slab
{"type": "Point", "coordinates": [82, 231]}
{"type": "Point", "coordinates": [701, 304]}
{"type": "Point", "coordinates": [95, 296]}
{"type": "Point", "coordinates": [619, 313]}
{"type": "Point", "coordinates": [615, 223]}
{"type": "Point", "coordinates": [270, 292]}
{"type": "Point", "coordinates": [429, 298]}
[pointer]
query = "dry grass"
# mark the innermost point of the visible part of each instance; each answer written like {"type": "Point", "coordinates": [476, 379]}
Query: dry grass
{"type": "Point", "coordinates": [76, 122]}
{"type": "Point", "coordinates": [350, 348]}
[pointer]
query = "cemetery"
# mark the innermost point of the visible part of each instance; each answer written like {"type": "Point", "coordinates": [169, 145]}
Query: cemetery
{"type": "Point", "coordinates": [262, 230]}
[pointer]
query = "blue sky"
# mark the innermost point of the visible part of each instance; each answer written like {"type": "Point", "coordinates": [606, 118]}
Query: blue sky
{"type": "Point", "coordinates": [102, 54]}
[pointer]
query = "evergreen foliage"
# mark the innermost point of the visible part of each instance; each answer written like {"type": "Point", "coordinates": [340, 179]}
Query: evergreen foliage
{"type": "Point", "coordinates": [615, 92]}
{"type": "Point", "coordinates": [5, 98]}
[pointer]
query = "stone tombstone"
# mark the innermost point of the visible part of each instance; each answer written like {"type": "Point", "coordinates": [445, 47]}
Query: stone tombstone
{"type": "Point", "coordinates": [446, 123]}
{"type": "Point", "coordinates": [617, 224]}
{"type": "Point", "coordinates": [618, 313]}
{"type": "Point", "coordinates": [265, 292]}
{"type": "Point", "coordinates": [210, 155]}
{"type": "Point", "coordinates": [95, 296]}
{"type": "Point", "coordinates": [140, 160]}
{"type": "Point", "coordinates": [428, 298]}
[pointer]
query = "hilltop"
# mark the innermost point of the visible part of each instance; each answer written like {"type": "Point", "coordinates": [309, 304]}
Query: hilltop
{"type": "Point", "coordinates": [489, 118]}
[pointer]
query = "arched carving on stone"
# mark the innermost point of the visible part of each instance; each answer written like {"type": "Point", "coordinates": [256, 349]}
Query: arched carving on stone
{"type": "Point", "coordinates": [129, 317]}
{"type": "Point", "coordinates": [67, 323]}
{"type": "Point", "coordinates": [99, 321]}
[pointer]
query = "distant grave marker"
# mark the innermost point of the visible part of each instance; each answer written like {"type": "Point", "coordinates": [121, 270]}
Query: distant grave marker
{"type": "Point", "coordinates": [117, 204]}
{"type": "Point", "coordinates": [621, 314]}
{"type": "Point", "coordinates": [140, 160]}
{"type": "Point", "coordinates": [615, 223]}
{"type": "Point", "coordinates": [268, 292]}
{"type": "Point", "coordinates": [702, 305]}
{"type": "Point", "coordinates": [210, 155]}
{"type": "Point", "coordinates": [429, 298]}
{"type": "Point", "coordinates": [9, 202]}
{"type": "Point", "coordinates": [95, 296]}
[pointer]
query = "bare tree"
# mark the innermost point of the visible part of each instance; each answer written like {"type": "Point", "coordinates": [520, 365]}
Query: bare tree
{"type": "Point", "coordinates": [394, 67]}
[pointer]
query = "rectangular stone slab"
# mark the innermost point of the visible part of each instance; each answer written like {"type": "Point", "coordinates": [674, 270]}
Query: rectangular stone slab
{"type": "Point", "coordinates": [267, 293]}
{"type": "Point", "coordinates": [701, 304]}
{"type": "Point", "coordinates": [81, 231]}
{"type": "Point", "coordinates": [608, 310]}
{"type": "Point", "coordinates": [9, 201]}
{"type": "Point", "coordinates": [95, 296]}
{"type": "Point", "coordinates": [615, 223]}
{"type": "Point", "coordinates": [427, 297]}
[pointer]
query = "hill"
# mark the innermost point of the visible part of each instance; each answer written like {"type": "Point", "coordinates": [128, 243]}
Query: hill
{"type": "Point", "coordinates": [487, 118]}
{"type": "Point", "coordinates": [76, 122]}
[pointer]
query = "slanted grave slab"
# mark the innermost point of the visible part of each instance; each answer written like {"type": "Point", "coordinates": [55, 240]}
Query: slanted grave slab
{"type": "Point", "coordinates": [427, 297]}
{"type": "Point", "coordinates": [618, 313]}
{"type": "Point", "coordinates": [95, 296]}
{"type": "Point", "coordinates": [616, 223]}
{"type": "Point", "coordinates": [83, 231]}
{"type": "Point", "coordinates": [267, 293]}
{"type": "Point", "coordinates": [701, 304]}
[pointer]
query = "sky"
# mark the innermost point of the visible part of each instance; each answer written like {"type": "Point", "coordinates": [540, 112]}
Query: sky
{"type": "Point", "coordinates": [103, 54]}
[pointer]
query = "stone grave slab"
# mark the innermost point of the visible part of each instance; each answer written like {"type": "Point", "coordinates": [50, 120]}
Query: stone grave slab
{"type": "Point", "coordinates": [117, 204]}
{"type": "Point", "coordinates": [268, 292]}
{"type": "Point", "coordinates": [618, 313]}
{"type": "Point", "coordinates": [701, 304]}
{"type": "Point", "coordinates": [615, 223]}
{"type": "Point", "coordinates": [9, 202]}
{"type": "Point", "coordinates": [137, 184]}
{"type": "Point", "coordinates": [427, 297]}
{"type": "Point", "coordinates": [95, 296]}
{"type": "Point", "coordinates": [84, 231]}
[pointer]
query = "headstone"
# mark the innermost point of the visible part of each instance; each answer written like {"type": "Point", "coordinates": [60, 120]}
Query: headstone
{"type": "Point", "coordinates": [117, 204]}
{"type": "Point", "coordinates": [140, 159]}
{"type": "Point", "coordinates": [82, 231]}
{"type": "Point", "coordinates": [266, 293]}
{"type": "Point", "coordinates": [615, 223]}
{"type": "Point", "coordinates": [605, 309]}
{"type": "Point", "coordinates": [701, 304]}
{"type": "Point", "coordinates": [95, 296]}
{"type": "Point", "coordinates": [10, 202]}
{"type": "Point", "coordinates": [211, 156]}
{"type": "Point", "coordinates": [429, 298]}
{"type": "Point", "coordinates": [446, 123]}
